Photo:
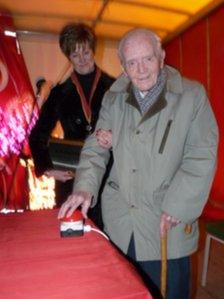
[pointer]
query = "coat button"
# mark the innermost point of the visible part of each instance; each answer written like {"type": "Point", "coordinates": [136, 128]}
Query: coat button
{"type": "Point", "coordinates": [78, 121]}
{"type": "Point", "coordinates": [88, 128]}
{"type": "Point", "coordinates": [133, 206]}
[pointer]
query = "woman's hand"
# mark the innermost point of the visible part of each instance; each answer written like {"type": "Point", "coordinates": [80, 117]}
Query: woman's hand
{"type": "Point", "coordinates": [60, 175]}
{"type": "Point", "coordinates": [104, 138]}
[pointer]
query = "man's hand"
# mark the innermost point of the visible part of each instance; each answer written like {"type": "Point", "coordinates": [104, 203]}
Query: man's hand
{"type": "Point", "coordinates": [76, 199]}
{"type": "Point", "coordinates": [104, 138]}
{"type": "Point", "coordinates": [60, 175]}
{"type": "Point", "coordinates": [167, 222]}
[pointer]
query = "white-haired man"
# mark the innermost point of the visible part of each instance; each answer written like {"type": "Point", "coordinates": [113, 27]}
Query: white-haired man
{"type": "Point", "coordinates": [164, 141]}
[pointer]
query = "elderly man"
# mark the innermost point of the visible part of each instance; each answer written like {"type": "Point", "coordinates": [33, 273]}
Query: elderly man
{"type": "Point", "coordinates": [164, 142]}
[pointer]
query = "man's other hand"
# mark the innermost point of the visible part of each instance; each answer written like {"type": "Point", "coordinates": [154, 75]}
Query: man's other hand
{"type": "Point", "coordinates": [167, 222]}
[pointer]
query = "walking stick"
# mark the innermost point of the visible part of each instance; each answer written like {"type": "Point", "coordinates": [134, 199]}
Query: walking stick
{"type": "Point", "coordinates": [163, 246]}
{"type": "Point", "coordinates": [163, 278]}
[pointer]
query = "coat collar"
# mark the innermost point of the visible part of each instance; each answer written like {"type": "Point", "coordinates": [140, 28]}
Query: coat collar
{"type": "Point", "coordinates": [159, 104]}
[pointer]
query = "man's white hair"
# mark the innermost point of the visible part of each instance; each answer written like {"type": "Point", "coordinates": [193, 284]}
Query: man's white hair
{"type": "Point", "coordinates": [150, 35]}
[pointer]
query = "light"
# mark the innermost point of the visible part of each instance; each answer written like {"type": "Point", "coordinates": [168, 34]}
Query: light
{"type": "Point", "coordinates": [10, 33]}
{"type": "Point", "coordinates": [41, 190]}
{"type": "Point", "coordinates": [8, 211]}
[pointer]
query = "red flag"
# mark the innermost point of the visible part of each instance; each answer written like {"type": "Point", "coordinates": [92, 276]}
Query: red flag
{"type": "Point", "coordinates": [18, 114]}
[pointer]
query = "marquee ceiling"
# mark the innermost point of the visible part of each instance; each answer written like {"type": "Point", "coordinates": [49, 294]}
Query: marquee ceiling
{"type": "Point", "coordinates": [110, 18]}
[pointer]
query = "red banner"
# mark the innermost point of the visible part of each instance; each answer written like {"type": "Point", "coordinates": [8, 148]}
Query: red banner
{"type": "Point", "coordinates": [18, 113]}
{"type": "Point", "coordinates": [199, 54]}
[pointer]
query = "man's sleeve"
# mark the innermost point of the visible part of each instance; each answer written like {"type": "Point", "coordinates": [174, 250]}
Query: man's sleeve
{"type": "Point", "coordinates": [94, 158]}
{"type": "Point", "coordinates": [191, 184]}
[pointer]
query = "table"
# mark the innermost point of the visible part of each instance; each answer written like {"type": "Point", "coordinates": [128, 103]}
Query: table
{"type": "Point", "coordinates": [35, 262]}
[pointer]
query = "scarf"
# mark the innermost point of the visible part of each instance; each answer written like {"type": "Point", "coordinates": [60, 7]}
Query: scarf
{"type": "Point", "coordinates": [150, 98]}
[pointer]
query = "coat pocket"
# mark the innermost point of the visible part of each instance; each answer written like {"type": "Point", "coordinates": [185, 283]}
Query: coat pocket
{"type": "Point", "coordinates": [113, 205]}
{"type": "Point", "coordinates": [165, 136]}
{"type": "Point", "coordinates": [113, 185]}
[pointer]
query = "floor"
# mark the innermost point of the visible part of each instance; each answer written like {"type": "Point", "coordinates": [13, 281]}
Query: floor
{"type": "Point", "coordinates": [214, 288]}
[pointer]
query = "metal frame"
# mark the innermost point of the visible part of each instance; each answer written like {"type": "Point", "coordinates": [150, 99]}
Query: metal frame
{"type": "Point", "coordinates": [206, 256]}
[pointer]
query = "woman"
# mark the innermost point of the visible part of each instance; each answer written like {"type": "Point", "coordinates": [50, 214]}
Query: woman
{"type": "Point", "coordinates": [75, 103]}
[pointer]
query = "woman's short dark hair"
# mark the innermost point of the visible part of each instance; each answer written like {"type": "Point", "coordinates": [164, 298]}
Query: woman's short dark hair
{"type": "Point", "coordinates": [73, 34]}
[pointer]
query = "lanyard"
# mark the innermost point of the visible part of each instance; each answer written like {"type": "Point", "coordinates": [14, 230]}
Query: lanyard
{"type": "Point", "coordinates": [86, 105]}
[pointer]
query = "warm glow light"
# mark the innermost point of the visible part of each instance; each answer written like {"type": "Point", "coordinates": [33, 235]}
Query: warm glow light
{"type": "Point", "coordinates": [10, 33]}
{"type": "Point", "coordinates": [41, 190]}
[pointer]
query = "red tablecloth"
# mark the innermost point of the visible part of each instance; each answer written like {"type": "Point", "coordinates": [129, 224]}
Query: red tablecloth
{"type": "Point", "coordinates": [35, 262]}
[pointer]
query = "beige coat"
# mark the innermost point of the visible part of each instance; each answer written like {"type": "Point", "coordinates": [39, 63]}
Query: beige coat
{"type": "Point", "coordinates": [163, 161]}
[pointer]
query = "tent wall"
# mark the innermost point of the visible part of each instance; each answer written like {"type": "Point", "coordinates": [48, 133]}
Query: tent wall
{"type": "Point", "coordinates": [199, 54]}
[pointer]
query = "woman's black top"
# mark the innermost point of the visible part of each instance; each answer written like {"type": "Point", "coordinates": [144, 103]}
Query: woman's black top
{"type": "Point", "coordinates": [64, 105]}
